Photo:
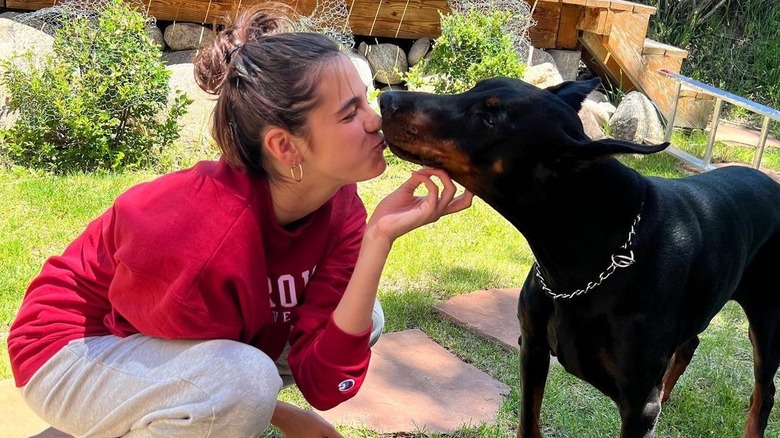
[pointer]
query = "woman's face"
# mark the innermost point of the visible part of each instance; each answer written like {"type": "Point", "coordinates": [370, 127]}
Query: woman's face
{"type": "Point", "coordinates": [346, 144]}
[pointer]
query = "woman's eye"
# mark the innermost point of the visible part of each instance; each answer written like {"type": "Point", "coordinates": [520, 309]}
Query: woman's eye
{"type": "Point", "coordinates": [350, 116]}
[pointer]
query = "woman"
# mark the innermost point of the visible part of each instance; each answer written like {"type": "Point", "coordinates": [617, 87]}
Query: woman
{"type": "Point", "coordinates": [166, 316]}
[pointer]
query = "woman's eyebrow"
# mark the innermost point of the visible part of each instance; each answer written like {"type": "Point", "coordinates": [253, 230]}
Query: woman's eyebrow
{"type": "Point", "coordinates": [351, 102]}
{"type": "Point", "coordinates": [348, 104]}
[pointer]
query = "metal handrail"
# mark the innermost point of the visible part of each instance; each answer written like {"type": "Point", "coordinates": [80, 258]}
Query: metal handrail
{"type": "Point", "coordinates": [720, 96]}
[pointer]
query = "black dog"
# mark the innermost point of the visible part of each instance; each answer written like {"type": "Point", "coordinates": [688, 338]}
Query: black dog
{"type": "Point", "coordinates": [629, 269]}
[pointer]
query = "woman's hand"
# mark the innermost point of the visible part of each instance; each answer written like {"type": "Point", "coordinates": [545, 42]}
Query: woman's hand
{"type": "Point", "coordinates": [295, 422]}
{"type": "Point", "coordinates": [397, 214]}
{"type": "Point", "coordinates": [402, 211]}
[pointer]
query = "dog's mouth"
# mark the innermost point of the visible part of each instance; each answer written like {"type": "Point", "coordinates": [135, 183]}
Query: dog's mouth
{"type": "Point", "coordinates": [412, 157]}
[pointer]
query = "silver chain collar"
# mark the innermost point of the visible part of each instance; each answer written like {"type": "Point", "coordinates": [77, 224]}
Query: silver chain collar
{"type": "Point", "coordinates": [619, 260]}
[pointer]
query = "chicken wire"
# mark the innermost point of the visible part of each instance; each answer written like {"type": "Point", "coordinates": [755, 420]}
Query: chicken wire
{"type": "Point", "coordinates": [516, 27]}
{"type": "Point", "coordinates": [50, 19]}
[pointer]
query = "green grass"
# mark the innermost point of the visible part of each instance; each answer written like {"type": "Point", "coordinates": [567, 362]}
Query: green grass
{"type": "Point", "coordinates": [474, 250]}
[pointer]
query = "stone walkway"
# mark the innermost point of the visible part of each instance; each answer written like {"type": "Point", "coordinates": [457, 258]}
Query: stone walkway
{"type": "Point", "coordinates": [732, 134]}
{"type": "Point", "coordinates": [414, 385]}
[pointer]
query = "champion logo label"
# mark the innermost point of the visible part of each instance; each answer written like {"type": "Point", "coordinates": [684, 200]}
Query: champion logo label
{"type": "Point", "coordinates": [346, 385]}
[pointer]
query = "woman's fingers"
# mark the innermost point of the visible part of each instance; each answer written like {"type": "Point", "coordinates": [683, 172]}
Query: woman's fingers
{"type": "Point", "coordinates": [462, 202]}
{"type": "Point", "coordinates": [447, 203]}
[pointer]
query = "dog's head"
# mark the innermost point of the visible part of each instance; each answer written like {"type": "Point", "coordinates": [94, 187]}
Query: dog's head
{"type": "Point", "coordinates": [502, 129]}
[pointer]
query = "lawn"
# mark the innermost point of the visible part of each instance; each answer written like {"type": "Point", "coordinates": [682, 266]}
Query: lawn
{"type": "Point", "coordinates": [474, 250]}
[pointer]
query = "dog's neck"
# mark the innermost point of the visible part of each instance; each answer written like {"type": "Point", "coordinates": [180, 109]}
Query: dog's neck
{"type": "Point", "coordinates": [575, 221]}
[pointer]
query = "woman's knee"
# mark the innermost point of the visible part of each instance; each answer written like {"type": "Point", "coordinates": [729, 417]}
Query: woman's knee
{"type": "Point", "coordinates": [378, 319]}
{"type": "Point", "coordinates": [245, 386]}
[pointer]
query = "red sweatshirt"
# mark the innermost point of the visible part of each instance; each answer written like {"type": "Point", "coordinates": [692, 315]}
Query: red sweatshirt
{"type": "Point", "coordinates": [197, 254]}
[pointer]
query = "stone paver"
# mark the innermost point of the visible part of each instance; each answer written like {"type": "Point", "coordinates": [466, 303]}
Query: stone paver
{"type": "Point", "coordinates": [490, 313]}
{"type": "Point", "coordinates": [415, 385]}
{"type": "Point", "coordinates": [732, 134]}
{"type": "Point", "coordinates": [17, 420]}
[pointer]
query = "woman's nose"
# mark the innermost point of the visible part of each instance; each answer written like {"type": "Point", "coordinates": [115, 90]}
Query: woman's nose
{"type": "Point", "coordinates": [373, 122]}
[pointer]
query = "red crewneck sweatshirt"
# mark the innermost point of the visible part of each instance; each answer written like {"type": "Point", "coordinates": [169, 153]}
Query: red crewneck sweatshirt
{"type": "Point", "coordinates": [197, 254]}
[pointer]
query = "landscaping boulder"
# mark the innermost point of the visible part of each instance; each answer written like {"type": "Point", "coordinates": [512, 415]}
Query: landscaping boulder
{"type": "Point", "coordinates": [636, 119]}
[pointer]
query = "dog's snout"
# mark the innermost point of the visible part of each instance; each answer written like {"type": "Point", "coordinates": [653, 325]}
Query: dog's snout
{"type": "Point", "coordinates": [388, 102]}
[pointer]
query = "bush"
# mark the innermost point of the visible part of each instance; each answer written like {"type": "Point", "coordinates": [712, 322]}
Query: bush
{"type": "Point", "coordinates": [98, 102]}
{"type": "Point", "coordinates": [471, 47]}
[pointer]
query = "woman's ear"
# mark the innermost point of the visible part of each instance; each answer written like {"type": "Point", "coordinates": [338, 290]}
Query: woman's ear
{"type": "Point", "coordinates": [279, 143]}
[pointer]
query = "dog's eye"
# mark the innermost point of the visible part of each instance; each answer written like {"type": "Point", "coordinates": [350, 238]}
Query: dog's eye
{"type": "Point", "coordinates": [488, 119]}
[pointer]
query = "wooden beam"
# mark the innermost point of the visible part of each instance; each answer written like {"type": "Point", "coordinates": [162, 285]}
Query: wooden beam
{"type": "Point", "coordinates": [30, 5]}
{"type": "Point", "coordinates": [381, 18]}
{"type": "Point", "coordinates": [599, 58]}
{"type": "Point", "coordinates": [568, 32]}
{"type": "Point", "coordinates": [556, 24]}
{"type": "Point", "coordinates": [594, 20]}
{"type": "Point", "coordinates": [544, 34]}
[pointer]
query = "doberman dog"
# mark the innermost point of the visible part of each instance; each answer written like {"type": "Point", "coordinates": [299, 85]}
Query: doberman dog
{"type": "Point", "coordinates": [629, 269]}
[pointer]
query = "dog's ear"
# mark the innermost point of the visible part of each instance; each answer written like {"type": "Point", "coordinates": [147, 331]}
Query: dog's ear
{"type": "Point", "coordinates": [574, 92]}
{"type": "Point", "coordinates": [610, 146]}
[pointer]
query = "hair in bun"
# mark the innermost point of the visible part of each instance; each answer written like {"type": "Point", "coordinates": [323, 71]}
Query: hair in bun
{"type": "Point", "coordinates": [264, 73]}
{"type": "Point", "coordinates": [212, 64]}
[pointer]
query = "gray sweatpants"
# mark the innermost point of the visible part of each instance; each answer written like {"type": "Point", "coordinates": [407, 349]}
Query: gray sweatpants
{"type": "Point", "coordinates": [140, 386]}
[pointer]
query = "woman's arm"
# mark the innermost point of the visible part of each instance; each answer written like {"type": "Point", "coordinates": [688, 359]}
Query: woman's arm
{"type": "Point", "coordinates": [295, 422]}
{"type": "Point", "coordinates": [396, 215]}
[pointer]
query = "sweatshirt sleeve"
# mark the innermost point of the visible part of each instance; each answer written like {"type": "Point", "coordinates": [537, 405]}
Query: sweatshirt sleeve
{"type": "Point", "coordinates": [329, 365]}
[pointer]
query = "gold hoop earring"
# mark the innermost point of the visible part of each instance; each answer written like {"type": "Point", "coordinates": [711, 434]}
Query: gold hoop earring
{"type": "Point", "coordinates": [300, 170]}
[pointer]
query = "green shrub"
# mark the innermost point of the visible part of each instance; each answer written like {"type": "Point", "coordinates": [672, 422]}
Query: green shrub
{"type": "Point", "coordinates": [98, 102]}
{"type": "Point", "coordinates": [471, 47]}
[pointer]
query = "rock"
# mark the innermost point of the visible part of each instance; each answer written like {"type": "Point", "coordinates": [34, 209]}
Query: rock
{"type": "Point", "coordinates": [9, 14]}
{"type": "Point", "coordinates": [597, 96]}
{"type": "Point", "coordinates": [567, 62]}
{"type": "Point", "coordinates": [179, 57]}
{"type": "Point", "coordinates": [187, 36]}
{"type": "Point", "coordinates": [363, 68]}
{"type": "Point", "coordinates": [16, 39]}
{"type": "Point", "coordinates": [418, 50]}
{"type": "Point", "coordinates": [636, 119]}
{"type": "Point", "coordinates": [542, 75]}
{"type": "Point", "coordinates": [393, 88]}
{"type": "Point", "coordinates": [602, 111]}
{"type": "Point", "coordinates": [388, 62]}
{"type": "Point", "coordinates": [590, 124]}
{"type": "Point", "coordinates": [195, 124]}
{"type": "Point", "coordinates": [157, 36]}
{"type": "Point", "coordinates": [539, 56]}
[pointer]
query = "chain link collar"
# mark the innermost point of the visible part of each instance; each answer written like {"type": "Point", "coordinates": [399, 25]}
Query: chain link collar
{"type": "Point", "coordinates": [620, 259]}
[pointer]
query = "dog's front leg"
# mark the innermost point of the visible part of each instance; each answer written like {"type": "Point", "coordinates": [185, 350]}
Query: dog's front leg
{"type": "Point", "coordinates": [534, 366]}
{"type": "Point", "coordinates": [639, 417]}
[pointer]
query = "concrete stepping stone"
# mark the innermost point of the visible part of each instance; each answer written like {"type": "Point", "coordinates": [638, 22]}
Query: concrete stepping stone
{"type": "Point", "coordinates": [17, 420]}
{"type": "Point", "coordinates": [733, 134]}
{"type": "Point", "coordinates": [415, 385]}
{"type": "Point", "coordinates": [489, 313]}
